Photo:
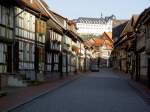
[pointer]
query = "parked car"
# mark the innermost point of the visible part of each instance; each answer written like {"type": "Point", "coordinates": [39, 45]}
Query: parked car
{"type": "Point", "coordinates": [94, 68]}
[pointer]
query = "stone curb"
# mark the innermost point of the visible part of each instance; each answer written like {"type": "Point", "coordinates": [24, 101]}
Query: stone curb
{"type": "Point", "coordinates": [42, 94]}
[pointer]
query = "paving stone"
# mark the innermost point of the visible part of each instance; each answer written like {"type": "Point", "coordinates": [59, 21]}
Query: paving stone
{"type": "Point", "coordinates": [96, 92]}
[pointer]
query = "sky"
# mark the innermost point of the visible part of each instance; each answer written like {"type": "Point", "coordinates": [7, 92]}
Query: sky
{"type": "Point", "coordinates": [122, 9]}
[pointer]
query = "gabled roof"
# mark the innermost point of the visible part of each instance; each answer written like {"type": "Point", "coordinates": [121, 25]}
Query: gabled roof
{"type": "Point", "coordinates": [58, 18]}
{"type": "Point", "coordinates": [118, 22]}
{"type": "Point", "coordinates": [100, 42]}
{"type": "Point", "coordinates": [108, 35]}
{"type": "Point", "coordinates": [56, 13]}
{"type": "Point", "coordinates": [45, 4]}
{"type": "Point", "coordinates": [118, 30]}
{"type": "Point", "coordinates": [41, 7]}
{"type": "Point", "coordinates": [90, 42]}
{"type": "Point", "coordinates": [143, 17]}
{"type": "Point", "coordinates": [51, 16]}
{"type": "Point", "coordinates": [128, 28]}
{"type": "Point", "coordinates": [134, 19]}
{"type": "Point", "coordinates": [34, 5]}
{"type": "Point", "coordinates": [89, 20]}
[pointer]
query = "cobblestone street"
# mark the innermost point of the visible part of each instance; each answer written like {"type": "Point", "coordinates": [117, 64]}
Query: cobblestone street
{"type": "Point", "coordinates": [102, 91]}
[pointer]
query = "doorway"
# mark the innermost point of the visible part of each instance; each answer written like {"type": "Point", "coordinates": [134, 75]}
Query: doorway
{"type": "Point", "coordinates": [9, 58]}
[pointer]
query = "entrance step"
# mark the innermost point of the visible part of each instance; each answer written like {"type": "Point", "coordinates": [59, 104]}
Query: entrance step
{"type": "Point", "coordinates": [16, 82]}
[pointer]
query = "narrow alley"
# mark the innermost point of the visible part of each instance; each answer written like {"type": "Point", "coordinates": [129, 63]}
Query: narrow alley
{"type": "Point", "coordinates": [103, 91]}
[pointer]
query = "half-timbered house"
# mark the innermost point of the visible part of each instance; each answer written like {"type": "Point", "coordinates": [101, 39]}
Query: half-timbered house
{"type": "Point", "coordinates": [54, 44]}
{"type": "Point", "coordinates": [6, 40]}
{"type": "Point", "coordinates": [29, 41]}
{"type": "Point", "coordinates": [142, 46]}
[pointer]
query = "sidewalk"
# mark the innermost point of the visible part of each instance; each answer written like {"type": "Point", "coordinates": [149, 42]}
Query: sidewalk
{"type": "Point", "coordinates": [140, 87]}
{"type": "Point", "coordinates": [20, 96]}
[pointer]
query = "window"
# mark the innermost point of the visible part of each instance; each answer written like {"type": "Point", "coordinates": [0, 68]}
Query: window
{"type": "Point", "coordinates": [52, 36]}
{"type": "Point", "coordinates": [26, 55]}
{"type": "Point", "coordinates": [43, 39]}
{"type": "Point", "coordinates": [7, 13]}
{"type": "Point", "coordinates": [7, 33]}
{"type": "Point", "coordinates": [20, 22]}
{"type": "Point", "coordinates": [55, 58]}
{"type": "Point", "coordinates": [3, 15]}
{"type": "Point", "coordinates": [31, 53]}
{"type": "Point", "coordinates": [10, 34]}
{"type": "Point", "coordinates": [49, 62]}
{"type": "Point", "coordinates": [3, 51]}
{"type": "Point", "coordinates": [49, 58]}
{"type": "Point", "coordinates": [41, 58]}
{"type": "Point", "coordinates": [2, 33]}
{"type": "Point", "coordinates": [30, 35]}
